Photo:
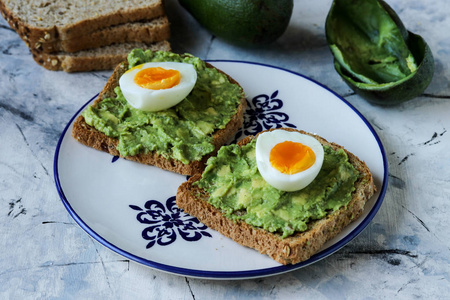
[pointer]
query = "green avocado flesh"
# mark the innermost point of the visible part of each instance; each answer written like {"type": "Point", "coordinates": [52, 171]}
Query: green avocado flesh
{"type": "Point", "coordinates": [237, 189]}
{"type": "Point", "coordinates": [182, 132]}
{"type": "Point", "coordinates": [368, 43]}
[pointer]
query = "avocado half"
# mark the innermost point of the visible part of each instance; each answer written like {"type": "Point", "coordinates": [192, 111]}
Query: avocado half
{"type": "Point", "coordinates": [375, 54]}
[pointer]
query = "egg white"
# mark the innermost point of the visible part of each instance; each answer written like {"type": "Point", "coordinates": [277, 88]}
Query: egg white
{"type": "Point", "coordinates": [285, 182]}
{"type": "Point", "coordinates": [156, 100]}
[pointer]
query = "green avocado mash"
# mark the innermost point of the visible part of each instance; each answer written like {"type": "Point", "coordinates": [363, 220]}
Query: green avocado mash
{"type": "Point", "coordinates": [182, 132]}
{"type": "Point", "coordinates": [239, 191]}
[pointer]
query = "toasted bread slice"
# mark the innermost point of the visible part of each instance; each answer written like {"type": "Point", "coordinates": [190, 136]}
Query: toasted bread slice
{"type": "Point", "coordinates": [91, 137]}
{"type": "Point", "coordinates": [103, 58]}
{"type": "Point", "coordinates": [290, 250]}
{"type": "Point", "coordinates": [150, 31]}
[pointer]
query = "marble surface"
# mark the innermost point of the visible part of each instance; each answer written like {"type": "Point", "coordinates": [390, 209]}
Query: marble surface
{"type": "Point", "coordinates": [404, 253]}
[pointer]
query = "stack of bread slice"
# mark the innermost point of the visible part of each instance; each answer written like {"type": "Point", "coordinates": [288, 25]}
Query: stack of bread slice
{"type": "Point", "coordinates": [87, 35]}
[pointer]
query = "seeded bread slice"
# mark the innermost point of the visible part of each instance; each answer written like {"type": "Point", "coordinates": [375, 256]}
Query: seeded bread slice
{"type": "Point", "coordinates": [51, 20]}
{"type": "Point", "coordinates": [151, 31]}
{"type": "Point", "coordinates": [291, 250]}
{"type": "Point", "coordinates": [103, 58]}
{"type": "Point", "coordinates": [91, 137]}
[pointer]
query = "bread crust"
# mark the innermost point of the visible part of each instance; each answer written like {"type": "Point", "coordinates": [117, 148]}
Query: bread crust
{"type": "Point", "coordinates": [77, 29]}
{"type": "Point", "coordinates": [291, 250]}
{"type": "Point", "coordinates": [146, 32]}
{"type": "Point", "coordinates": [91, 137]}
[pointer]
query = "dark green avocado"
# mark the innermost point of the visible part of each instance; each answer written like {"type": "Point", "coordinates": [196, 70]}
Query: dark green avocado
{"type": "Point", "coordinates": [242, 22]}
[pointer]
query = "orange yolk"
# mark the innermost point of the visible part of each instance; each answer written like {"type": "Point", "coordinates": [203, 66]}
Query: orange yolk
{"type": "Point", "coordinates": [291, 157]}
{"type": "Point", "coordinates": [157, 78]}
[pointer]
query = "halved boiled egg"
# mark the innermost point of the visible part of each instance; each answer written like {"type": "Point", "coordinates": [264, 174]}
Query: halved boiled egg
{"type": "Point", "coordinates": [287, 160]}
{"type": "Point", "coordinates": [156, 86]}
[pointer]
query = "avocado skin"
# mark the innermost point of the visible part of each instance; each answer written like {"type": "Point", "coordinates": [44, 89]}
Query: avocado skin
{"type": "Point", "coordinates": [406, 90]}
{"type": "Point", "coordinates": [393, 93]}
{"type": "Point", "coordinates": [242, 22]}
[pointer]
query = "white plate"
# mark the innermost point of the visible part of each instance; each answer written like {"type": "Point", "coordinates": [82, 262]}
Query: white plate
{"type": "Point", "coordinates": [110, 198]}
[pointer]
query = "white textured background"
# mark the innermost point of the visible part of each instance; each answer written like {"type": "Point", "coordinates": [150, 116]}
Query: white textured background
{"type": "Point", "coordinates": [403, 254]}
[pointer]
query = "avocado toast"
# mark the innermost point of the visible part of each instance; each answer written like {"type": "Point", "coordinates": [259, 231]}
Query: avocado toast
{"type": "Point", "coordinates": [210, 115]}
{"type": "Point", "coordinates": [193, 197]}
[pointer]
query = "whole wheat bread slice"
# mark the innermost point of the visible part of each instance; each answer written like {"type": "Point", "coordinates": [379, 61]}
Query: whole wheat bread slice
{"type": "Point", "coordinates": [50, 20]}
{"type": "Point", "coordinates": [103, 58]}
{"type": "Point", "coordinates": [91, 137]}
{"type": "Point", "coordinates": [151, 31]}
{"type": "Point", "coordinates": [291, 250]}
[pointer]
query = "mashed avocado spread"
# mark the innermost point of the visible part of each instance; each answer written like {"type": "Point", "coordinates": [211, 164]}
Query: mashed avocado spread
{"type": "Point", "coordinates": [182, 132]}
{"type": "Point", "coordinates": [239, 191]}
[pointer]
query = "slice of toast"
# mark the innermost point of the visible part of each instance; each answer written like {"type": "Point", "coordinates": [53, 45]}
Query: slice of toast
{"type": "Point", "coordinates": [290, 250]}
{"type": "Point", "coordinates": [103, 58]}
{"type": "Point", "coordinates": [50, 20]}
{"type": "Point", "coordinates": [91, 137]}
{"type": "Point", "coordinates": [150, 31]}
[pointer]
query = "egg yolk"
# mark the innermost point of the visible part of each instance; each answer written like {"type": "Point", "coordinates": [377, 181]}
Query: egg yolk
{"type": "Point", "coordinates": [291, 157]}
{"type": "Point", "coordinates": [157, 78]}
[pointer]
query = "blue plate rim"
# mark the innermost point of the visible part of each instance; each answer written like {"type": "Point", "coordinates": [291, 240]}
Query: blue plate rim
{"type": "Point", "coordinates": [231, 274]}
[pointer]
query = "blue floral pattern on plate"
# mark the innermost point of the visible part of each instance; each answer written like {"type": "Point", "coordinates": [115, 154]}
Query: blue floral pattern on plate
{"type": "Point", "coordinates": [263, 113]}
{"type": "Point", "coordinates": [166, 221]}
